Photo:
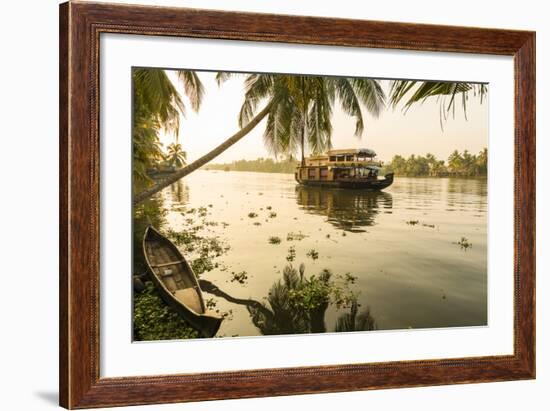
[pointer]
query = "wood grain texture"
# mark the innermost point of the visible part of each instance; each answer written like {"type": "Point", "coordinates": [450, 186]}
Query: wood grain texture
{"type": "Point", "coordinates": [63, 205]}
{"type": "Point", "coordinates": [80, 27]}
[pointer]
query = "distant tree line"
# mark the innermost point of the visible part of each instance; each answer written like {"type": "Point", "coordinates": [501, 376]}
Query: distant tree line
{"type": "Point", "coordinates": [462, 164]}
{"type": "Point", "coordinates": [264, 165]}
{"type": "Point", "coordinates": [458, 164]}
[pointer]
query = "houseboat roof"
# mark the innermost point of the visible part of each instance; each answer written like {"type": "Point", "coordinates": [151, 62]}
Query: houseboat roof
{"type": "Point", "coordinates": [364, 151]}
{"type": "Point", "coordinates": [369, 167]}
{"type": "Point", "coordinates": [317, 157]}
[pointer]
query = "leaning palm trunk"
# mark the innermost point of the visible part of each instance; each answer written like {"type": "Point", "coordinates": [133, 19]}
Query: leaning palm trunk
{"type": "Point", "coordinates": [145, 194]}
{"type": "Point", "coordinates": [302, 143]}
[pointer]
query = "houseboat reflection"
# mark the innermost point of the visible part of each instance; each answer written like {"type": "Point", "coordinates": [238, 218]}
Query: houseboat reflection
{"type": "Point", "coordinates": [349, 210]}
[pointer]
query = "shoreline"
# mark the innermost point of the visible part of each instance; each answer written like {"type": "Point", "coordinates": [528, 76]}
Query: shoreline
{"type": "Point", "coordinates": [396, 175]}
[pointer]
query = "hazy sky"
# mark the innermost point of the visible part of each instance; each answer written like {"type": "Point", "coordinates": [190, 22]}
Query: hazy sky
{"type": "Point", "coordinates": [393, 132]}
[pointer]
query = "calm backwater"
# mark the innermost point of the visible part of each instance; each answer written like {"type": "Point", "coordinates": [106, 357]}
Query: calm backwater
{"type": "Point", "coordinates": [401, 243]}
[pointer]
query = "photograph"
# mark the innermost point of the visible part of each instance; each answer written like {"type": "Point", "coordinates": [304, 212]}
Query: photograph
{"type": "Point", "coordinates": [290, 203]}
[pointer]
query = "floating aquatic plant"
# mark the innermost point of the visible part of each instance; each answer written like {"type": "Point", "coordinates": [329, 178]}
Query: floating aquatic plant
{"type": "Point", "coordinates": [295, 236]}
{"type": "Point", "coordinates": [291, 254]}
{"type": "Point", "coordinates": [274, 240]}
{"type": "Point", "coordinates": [239, 277]}
{"type": "Point", "coordinates": [313, 254]}
{"type": "Point", "coordinates": [464, 243]}
{"type": "Point", "coordinates": [349, 278]}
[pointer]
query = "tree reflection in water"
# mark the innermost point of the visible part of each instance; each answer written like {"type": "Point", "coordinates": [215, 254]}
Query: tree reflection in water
{"type": "Point", "coordinates": [179, 192]}
{"type": "Point", "coordinates": [297, 304]}
{"type": "Point", "coordinates": [354, 321]}
{"type": "Point", "coordinates": [346, 209]}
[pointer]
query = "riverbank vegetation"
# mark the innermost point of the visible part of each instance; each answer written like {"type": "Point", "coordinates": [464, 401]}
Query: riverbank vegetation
{"type": "Point", "coordinates": [157, 107]}
{"type": "Point", "coordinates": [154, 320]}
{"type": "Point", "coordinates": [458, 164]}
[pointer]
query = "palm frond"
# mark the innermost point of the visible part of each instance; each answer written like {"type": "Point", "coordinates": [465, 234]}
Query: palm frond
{"type": "Point", "coordinates": [280, 131]}
{"type": "Point", "coordinates": [257, 88]}
{"type": "Point", "coordinates": [319, 125]}
{"type": "Point", "coordinates": [158, 97]}
{"type": "Point", "coordinates": [369, 93]}
{"type": "Point", "coordinates": [193, 87]}
{"type": "Point", "coordinates": [223, 76]}
{"type": "Point", "coordinates": [413, 92]}
{"type": "Point", "coordinates": [349, 102]}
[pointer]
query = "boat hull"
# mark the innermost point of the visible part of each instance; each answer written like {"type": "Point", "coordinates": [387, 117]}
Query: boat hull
{"type": "Point", "coordinates": [354, 184]}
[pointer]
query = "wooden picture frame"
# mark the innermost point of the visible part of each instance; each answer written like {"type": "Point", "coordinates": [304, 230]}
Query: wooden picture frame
{"type": "Point", "coordinates": [80, 27]}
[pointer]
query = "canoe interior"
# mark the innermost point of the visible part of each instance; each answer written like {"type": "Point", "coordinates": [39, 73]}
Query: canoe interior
{"type": "Point", "coordinates": [173, 271]}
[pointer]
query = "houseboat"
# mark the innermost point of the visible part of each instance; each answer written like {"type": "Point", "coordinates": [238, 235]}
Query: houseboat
{"type": "Point", "coordinates": [352, 168]}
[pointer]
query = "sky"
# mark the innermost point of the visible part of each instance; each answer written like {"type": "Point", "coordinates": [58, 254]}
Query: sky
{"type": "Point", "coordinates": [418, 131]}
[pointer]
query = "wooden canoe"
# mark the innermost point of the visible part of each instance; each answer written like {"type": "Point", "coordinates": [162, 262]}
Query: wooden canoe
{"type": "Point", "coordinates": [177, 283]}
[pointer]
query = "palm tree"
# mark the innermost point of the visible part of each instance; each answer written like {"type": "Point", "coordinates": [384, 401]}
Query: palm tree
{"type": "Point", "coordinates": [398, 165]}
{"type": "Point", "coordinates": [432, 163]}
{"type": "Point", "coordinates": [303, 105]}
{"type": "Point", "coordinates": [158, 105]}
{"type": "Point", "coordinates": [439, 168]}
{"type": "Point", "coordinates": [176, 156]}
{"type": "Point", "coordinates": [468, 162]}
{"type": "Point", "coordinates": [482, 162]}
{"type": "Point", "coordinates": [455, 162]}
{"type": "Point", "coordinates": [298, 111]}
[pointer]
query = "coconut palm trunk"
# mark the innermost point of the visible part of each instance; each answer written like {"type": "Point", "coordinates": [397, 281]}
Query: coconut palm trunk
{"type": "Point", "coordinates": [145, 194]}
{"type": "Point", "coordinates": [304, 122]}
{"type": "Point", "coordinates": [303, 144]}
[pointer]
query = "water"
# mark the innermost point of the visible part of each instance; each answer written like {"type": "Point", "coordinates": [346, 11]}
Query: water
{"type": "Point", "coordinates": [401, 244]}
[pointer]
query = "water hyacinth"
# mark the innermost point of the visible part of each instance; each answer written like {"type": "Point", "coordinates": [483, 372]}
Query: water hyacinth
{"type": "Point", "coordinates": [154, 320]}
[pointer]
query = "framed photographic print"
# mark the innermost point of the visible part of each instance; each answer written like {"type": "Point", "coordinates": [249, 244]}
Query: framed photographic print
{"type": "Point", "coordinates": [256, 205]}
